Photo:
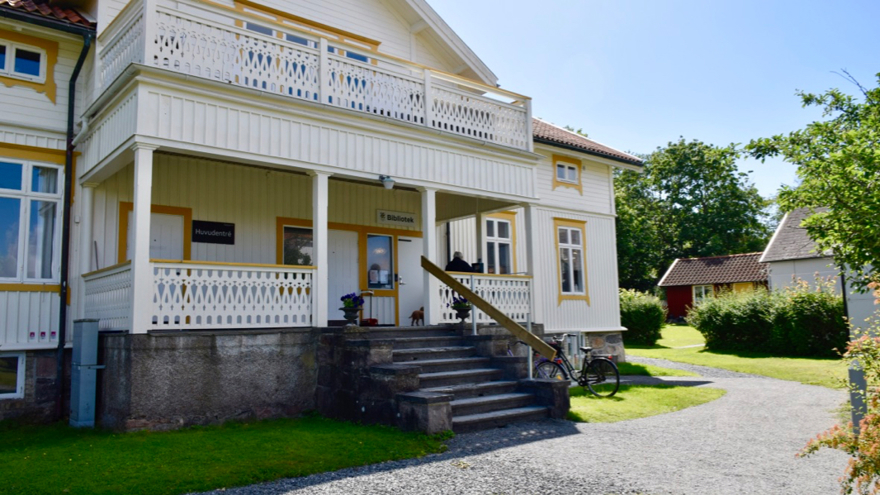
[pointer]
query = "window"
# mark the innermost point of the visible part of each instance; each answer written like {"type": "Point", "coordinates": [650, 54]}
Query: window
{"type": "Point", "coordinates": [30, 205]}
{"type": "Point", "coordinates": [571, 259]}
{"type": "Point", "coordinates": [11, 376]}
{"type": "Point", "coordinates": [702, 292]}
{"type": "Point", "coordinates": [22, 61]}
{"type": "Point", "coordinates": [567, 172]}
{"type": "Point", "coordinates": [298, 246]}
{"type": "Point", "coordinates": [499, 246]}
{"type": "Point", "coordinates": [380, 262]}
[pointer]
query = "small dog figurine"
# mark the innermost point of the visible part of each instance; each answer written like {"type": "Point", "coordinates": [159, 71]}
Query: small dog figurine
{"type": "Point", "coordinates": [418, 317]}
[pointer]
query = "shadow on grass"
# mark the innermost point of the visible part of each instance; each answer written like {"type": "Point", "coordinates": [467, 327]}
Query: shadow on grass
{"type": "Point", "coordinates": [763, 355]}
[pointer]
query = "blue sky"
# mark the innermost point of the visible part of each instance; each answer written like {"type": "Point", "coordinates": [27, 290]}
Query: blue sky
{"type": "Point", "coordinates": [636, 74]}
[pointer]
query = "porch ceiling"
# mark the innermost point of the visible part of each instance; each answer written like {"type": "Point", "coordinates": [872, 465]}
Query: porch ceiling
{"type": "Point", "coordinates": [453, 206]}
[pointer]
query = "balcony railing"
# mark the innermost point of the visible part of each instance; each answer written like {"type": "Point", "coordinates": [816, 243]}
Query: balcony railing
{"type": "Point", "coordinates": [510, 294]}
{"type": "Point", "coordinates": [191, 295]}
{"type": "Point", "coordinates": [205, 41]}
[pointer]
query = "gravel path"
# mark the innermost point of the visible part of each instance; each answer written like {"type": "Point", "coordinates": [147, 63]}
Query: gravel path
{"type": "Point", "coordinates": [743, 442]}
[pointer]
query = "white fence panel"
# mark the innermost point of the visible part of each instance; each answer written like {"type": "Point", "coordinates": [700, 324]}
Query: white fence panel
{"type": "Point", "coordinates": [108, 297]}
{"type": "Point", "coordinates": [510, 294]}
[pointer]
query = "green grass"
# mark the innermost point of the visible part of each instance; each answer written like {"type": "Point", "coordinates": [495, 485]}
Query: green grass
{"type": "Point", "coordinates": [60, 459]}
{"type": "Point", "coordinates": [811, 371]}
{"type": "Point", "coordinates": [637, 401]}
{"type": "Point", "coordinates": [650, 370]}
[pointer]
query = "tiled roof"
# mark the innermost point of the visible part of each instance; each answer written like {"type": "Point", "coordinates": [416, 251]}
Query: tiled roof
{"type": "Point", "coordinates": [45, 9]}
{"type": "Point", "coordinates": [791, 242]}
{"type": "Point", "coordinates": [715, 270]}
{"type": "Point", "coordinates": [554, 135]}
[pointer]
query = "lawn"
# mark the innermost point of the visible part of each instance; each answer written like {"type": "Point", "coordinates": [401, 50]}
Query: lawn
{"type": "Point", "coordinates": [60, 459]}
{"type": "Point", "coordinates": [650, 370]}
{"type": "Point", "coordinates": [637, 401]}
{"type": "Point", "coordinates": [811, 371]}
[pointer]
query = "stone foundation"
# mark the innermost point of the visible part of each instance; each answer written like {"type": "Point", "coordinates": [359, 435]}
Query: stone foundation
{"type": "Point", "coordinates": [607, 343]}
{"type": "Point", "coordinates": [39, 404]}
{"type": "Point", "coordinates": [162, 381]}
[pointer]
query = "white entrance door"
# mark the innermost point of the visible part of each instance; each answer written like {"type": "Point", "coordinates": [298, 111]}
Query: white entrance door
{"type": "Point", "coordinates": [344, 270]}
{"type": "Point", "coordinates": [411, 287]}
{"type": "Point", "coordinates": [166, 236]}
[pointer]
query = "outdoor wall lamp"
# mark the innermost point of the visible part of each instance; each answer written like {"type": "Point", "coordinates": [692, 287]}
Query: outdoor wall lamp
{"type": "Point", "coordinates": [387, 181]}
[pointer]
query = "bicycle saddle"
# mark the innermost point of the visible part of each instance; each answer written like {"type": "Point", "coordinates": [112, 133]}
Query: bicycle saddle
{"type": "Point", "coordinates": [586, 349]}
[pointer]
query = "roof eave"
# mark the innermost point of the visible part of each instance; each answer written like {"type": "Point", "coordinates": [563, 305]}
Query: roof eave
{"type": "Point", "coordinates": [637, 166]}
{"type": "Point", "coordinates": [47, 22]}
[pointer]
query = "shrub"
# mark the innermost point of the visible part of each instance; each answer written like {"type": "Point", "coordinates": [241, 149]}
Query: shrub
{"type": "Point", "coordinates": [798, 321]}
{"type": "Point", "coordinates": [735, 321]}
{"type": "Point", "coordinates": [643, 316]}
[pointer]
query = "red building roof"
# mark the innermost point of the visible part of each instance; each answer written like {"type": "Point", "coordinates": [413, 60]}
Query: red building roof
{"type": "Point", "coordinates": [44, 9]}
{"type": "Point", "coordinates": [547, 133]}
{"type": "Point", "coordinates": [715, 270]}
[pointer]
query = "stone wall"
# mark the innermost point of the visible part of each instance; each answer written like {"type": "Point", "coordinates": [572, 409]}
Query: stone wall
{"type": "Point", "coordinates": [40, 389]}
{"type": "Point", "coordinates": [607, 343]}
{"type": "Point", "coordinates": [167, 380]}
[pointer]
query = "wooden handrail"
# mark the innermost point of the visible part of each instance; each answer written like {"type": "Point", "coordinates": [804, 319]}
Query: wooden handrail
{"type": "Point", "coordinates": [513, 327]}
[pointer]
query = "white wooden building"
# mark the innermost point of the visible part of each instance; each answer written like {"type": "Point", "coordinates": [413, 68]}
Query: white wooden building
{"type": "Point", "coordinates": [243, 165]}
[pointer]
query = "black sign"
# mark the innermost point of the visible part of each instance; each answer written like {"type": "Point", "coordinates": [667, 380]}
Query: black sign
{"type": "Point", "coordinates": [213, 232]}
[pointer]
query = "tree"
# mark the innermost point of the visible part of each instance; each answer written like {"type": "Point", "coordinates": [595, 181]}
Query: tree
{"type": "Point", "coordinates": [690, 201]}
{"type": "Point", "coordinates": [838, 164]}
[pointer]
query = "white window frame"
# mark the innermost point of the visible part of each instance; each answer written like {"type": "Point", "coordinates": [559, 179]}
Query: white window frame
{"type": "Point", "coordinates": [705, 294]}
{"type": "Point", "coordinates": [572, 247]}
{"type": "Point", "coordinates": [499, 240]}
{"type": "Point", "coordinates": [26, 197]}
{"type": "Point", "coordinates": [19, 376]}
{"type": "Point", "coordinates": [568, 167]}
{"type": "Point", "coordinates": [9, 70]}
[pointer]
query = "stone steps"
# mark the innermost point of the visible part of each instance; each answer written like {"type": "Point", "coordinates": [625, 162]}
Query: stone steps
{"type": "Point", "coordinates": [453, 364]}
{"type": "Point", "coordinates": [466, 390]}
{"type": "Point", "coordinates": [404, 332]}
{"type": "Point", "coordinates": [445, 378]}
{"type": "Point", "coordinates": [424, 342]}
{"type": "Point", "coordinates": [419, 354]}
{"type": "Point", "coordinates": [490, 403]}
{"type": "Point", "coordinates": [495, 419]}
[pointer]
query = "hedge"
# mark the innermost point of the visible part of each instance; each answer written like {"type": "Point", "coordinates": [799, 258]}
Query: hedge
{"type": "Point", "coordinates": [642, 315]}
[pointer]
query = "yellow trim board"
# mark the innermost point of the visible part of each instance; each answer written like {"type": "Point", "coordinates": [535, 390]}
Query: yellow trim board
{"type": "Point", "coordinates": [47, 87]}
{"type": "Point", "coordinates": [33, 153]}
{"type": "Point", "coordinates": [30, 288]}
{"type": "Point", "coordinates": [576, 224]}
{"type": "Point", "coordinates": [568, 161]}
{"type": "Point", "coordinates": [509, 216]}
{"type": "Point", "coordinates": [125, 207]}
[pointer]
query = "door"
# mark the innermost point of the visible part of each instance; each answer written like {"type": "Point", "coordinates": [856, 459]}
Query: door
{"type": "Point", "coordinates": [166, 237]}
{"type": "Point", "coordinates": [381, 273]}
{"type": "Point", "coordinates": [343, 272]}
{"type": "Point", "coordinates": [410, 278]}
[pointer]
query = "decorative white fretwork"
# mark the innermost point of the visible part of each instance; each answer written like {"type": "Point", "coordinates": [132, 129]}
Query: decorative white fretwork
{"type": "Point", "coordinates": [362, 87]}
{"type": "Point", "coordinates": [108, 297]}
{"type": "Point", "coordinates": [509, 294]}
{"type": "Point", "coordinates": [125, 49]}
{"type": "Point", "coordinates": [199, 296]}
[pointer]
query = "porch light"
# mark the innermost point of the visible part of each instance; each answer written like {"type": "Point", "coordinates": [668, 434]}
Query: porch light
{"type": "Point", "coordinates": [387, 181]}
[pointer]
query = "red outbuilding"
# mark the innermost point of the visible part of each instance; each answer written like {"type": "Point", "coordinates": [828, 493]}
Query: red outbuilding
{"type": "Point", "coordinates": [690, 280]}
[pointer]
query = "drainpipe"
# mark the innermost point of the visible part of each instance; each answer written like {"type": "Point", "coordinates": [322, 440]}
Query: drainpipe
{"type": "Point", "coordinates": [88, 35]}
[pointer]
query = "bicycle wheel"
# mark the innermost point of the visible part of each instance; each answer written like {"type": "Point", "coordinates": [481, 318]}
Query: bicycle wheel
{"type": "Point", "coordinates": [548, 370]}
{"type": "Point", "coordinates": [603, 379]}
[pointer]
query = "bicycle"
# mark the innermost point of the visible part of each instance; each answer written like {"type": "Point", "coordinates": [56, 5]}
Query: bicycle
{"type": "Point", "coordinates": [598, 374]}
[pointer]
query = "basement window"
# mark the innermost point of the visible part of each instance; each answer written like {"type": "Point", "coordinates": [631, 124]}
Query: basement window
{"type": "Point", "coordinates": [11, 376]}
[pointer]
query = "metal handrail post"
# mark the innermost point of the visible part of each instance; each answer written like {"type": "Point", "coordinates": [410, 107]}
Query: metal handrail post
{"type": "Point", "coordinates": [531, 352]}
{"type": "Point", "coordinates": [474, 313]}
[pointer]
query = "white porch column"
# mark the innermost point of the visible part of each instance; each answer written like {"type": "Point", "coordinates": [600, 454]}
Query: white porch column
{"type": "Point", "coordinates": [87, 200]}
{"type": "Point", "coordinates": [141, 273]}
{"type": "Point", "coordinates": [530, 212]}
{"type": "Point", "coordinates": [429, 246]}
{"type": "Point", "coordinates": [321, 278]}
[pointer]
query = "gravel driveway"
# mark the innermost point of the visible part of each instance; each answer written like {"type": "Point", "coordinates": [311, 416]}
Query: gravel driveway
{"type": "Point", "coordinates": [744, 442]}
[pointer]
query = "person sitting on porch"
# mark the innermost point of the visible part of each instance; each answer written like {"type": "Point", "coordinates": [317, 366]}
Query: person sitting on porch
{"type": "Point", "coordinates": [458, 264]}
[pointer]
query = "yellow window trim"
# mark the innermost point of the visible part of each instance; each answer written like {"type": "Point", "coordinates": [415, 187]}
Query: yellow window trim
{"type": "Point", "coordinates": [362, 231]}
{"type": "Point", "coordinates": [125, 207]}
{"type": "Point", "coordinates": [509, 216]}
{"type": "Point", "coordinates": [47, 87]}
{"type": "Point", "coordinates": [568, 161]}
{"type": "Point", "coordinates": [32, 288]}
{"type": "Point", "coordinates": [577, 224]}
{"type": "Point", "coordinates": [37, 154]}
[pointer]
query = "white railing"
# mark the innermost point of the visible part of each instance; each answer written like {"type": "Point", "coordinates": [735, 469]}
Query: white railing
{"type": "Point", "coordinates": [199, 295]}
{"type": "Point", "coordinates": [510, 294]}
{"type": "Point", "coordinates": [108, 296]}
{"type": "Point", "coordinates": [206, 41]}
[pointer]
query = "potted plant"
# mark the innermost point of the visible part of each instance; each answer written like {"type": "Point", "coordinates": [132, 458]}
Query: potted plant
{"type": "Point", "coordinates": [352, 304]}
{"type": "Point", "coordinates": [461, 306]}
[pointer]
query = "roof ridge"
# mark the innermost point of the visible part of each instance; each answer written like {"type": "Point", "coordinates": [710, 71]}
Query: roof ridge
{"type": "Point", "coordinates": [723, 256]}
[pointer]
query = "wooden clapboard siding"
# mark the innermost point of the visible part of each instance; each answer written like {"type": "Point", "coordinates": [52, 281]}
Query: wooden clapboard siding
{"type": "Point", "coordinates": [595, 182]}
{"type": "Point", "coordinates": [24, 312]}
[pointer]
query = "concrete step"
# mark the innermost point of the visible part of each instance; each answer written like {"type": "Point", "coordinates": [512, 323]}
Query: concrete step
{"type": "Point", "coordinates": [484, 421]}
{"type": "Point", "coordinates": [403, 332]}
{"type": "Point", "coordinates": [428, 353]}
{"type": "Point", "coordinates": [465, 390]}
{"type": "Point", "coordinates": [444, 378]}
{"type": "Point", "coordinates": [422, 342]}
{"type": "Point", "coordinates": [490, 403]}
{"type": "Point", "coordinates": [453, 364]}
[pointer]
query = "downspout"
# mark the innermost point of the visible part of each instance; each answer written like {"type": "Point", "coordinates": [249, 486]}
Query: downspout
{"type": "Point", "coordinates": [65, 223]}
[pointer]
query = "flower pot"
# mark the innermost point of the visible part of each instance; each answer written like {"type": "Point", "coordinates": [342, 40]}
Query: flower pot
{"type": "Point", "coordinates": [351, 314]}
{"type": "Point", "coordinates": [462, 313]}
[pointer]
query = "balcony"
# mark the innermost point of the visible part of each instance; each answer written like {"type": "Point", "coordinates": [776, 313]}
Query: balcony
{"type": "Point", "coordinates": [209, 41]}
